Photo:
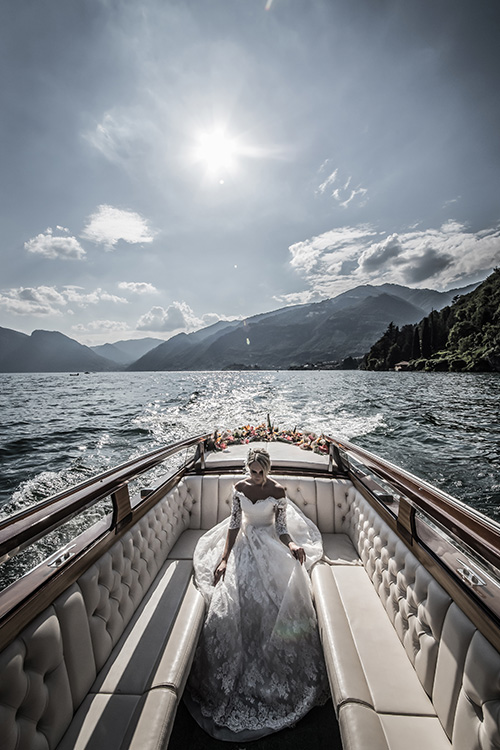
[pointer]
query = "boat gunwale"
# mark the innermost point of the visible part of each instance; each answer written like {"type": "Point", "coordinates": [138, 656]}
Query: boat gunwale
{"type": "Point", "coordinates": [28, 526]}
{"type": "Point", "coordinates": [461, 593]}
{"type": "Point", "coordinates": [27, 597]}
{"type": "Point", "coordinates": [481, 533]}
{"type": "Point", "coordinates": [21, 601]}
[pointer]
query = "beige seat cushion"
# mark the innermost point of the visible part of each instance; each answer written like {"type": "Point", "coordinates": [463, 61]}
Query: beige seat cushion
{"type": "Point", "coordinates": [132, 663]}
{"type": "Point", "coordinates": [133, 701]}
{"type": "Point", "coordinates": [364, 729]}
{"type": "Point", "coordinates": [339, 550]}
{"type": "Point", "coordinates": [154, 725]}
{"type": "Point", "coordinates": [365, 659]}
{"type": "Point", "coordinates": [184, 547]}
{"type": "Point", "coordinates": [175, 663]}
{"type": "Point", "coordinates": [115, 722]}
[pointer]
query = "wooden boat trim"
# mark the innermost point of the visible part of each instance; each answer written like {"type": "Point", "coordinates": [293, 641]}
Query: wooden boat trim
{"type": "Point", "coordinates": [479, 532]}
{"type": "Point", "coordinates": [23, 600]}
{"type": "Point", "coordinates": [404, 526]}
{"type": "Point", "coordinates": [19, 531]}
{"type": "Point", "coordinates": [289, 470]}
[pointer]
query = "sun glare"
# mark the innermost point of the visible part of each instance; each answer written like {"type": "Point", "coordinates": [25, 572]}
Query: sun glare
{"type": "Point", "coordinates": [217, 151]}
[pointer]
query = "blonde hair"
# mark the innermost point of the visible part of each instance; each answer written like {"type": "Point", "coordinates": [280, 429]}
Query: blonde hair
{"type": "Point", "coordinates": [261, 456]}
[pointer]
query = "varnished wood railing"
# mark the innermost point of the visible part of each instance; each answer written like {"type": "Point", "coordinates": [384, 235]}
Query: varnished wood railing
{"type": "Point", "coordinates": [480, 533]}
{"type": "Point", "coordinates": [22, 529]}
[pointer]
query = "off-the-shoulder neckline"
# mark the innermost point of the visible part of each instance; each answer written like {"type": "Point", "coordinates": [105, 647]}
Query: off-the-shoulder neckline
{"type": "Point", "coordinates": [260, 499]}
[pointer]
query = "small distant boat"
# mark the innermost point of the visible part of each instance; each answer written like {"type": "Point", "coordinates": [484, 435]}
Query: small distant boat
{"type": "Point", "coordinates": [96, 641]}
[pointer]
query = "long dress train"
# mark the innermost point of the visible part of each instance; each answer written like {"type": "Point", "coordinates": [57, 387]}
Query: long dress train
{"type": "Point", "coordinates": [259, 664]}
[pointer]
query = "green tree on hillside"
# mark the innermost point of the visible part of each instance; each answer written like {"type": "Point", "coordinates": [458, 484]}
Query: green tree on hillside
{"type": "Point", "coordinates": [462, 337]}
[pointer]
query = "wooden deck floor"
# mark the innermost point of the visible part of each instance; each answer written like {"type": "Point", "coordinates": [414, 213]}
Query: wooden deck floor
{"type": "Point", "coordinates": [316, 731]}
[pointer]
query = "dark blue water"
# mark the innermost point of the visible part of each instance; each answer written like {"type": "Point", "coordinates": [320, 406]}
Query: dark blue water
{"type": "Point", "coordinates": [56, 430]}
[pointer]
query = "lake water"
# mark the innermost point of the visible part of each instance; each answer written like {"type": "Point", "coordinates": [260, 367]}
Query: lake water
{"type": "Point", "coordinates": [58, 429]}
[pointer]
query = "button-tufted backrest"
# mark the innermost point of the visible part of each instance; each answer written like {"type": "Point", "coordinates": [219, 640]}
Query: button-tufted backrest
{"type": "Point", "coordinates": [477, 719]}
{"type": "Point", "coordinates": [323, 501]}
{"type": "Point", "coordinates": [49, 668]}
{"type": "Point", "coordinates": [457, 666]}
{"type": "Point", "coordinates": [47, 671]}
{"type": "Point", "coordinates": [450, 657]}
{"type": "Point", "coordinates": [35, 692]}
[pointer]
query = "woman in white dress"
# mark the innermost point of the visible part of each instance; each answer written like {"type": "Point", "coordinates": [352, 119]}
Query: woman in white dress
{"type": "Point", "coordinates": [259, 664]}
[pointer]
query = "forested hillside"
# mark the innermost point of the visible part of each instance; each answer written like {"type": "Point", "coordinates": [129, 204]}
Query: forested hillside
{"type": "Point", "coordinates": [463, 337]}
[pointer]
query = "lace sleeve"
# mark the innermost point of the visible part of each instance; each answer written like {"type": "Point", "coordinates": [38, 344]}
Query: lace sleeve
{"type": "Point", "coordinates": [280, 517]}
{"type": "Point", "coordinates": [235, 520]}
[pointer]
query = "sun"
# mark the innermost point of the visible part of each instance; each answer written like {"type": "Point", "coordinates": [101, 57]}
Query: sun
{"type": "Point", "coordinates": [217, 150]}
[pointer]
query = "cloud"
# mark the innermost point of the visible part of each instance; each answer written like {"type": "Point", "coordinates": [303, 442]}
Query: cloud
{"type": "Point", "coordinates": [304, 256]}
{"type": "Point", "coordinates": [38, 301]}
{"type": "Point", "coordinates": [46, 300]}
{"type": "Point", "coordinates": [176, 317]}
{"type": "Point", "coordinates": [450, 202]}
{"type": "Point", "coordinates": [336, 245]}
{"type": "Point", "coordinates": [330, 180]}
{"type": "Point", "coordinates": [380, 253]}
{"type": "Point", "coordinates": [108, 225]}
{"type": "Point", "coordinates": [50, 246]}
{"type": "Point", "coordinates": [344, 194]}
{"type": "Point", "coordinates": [101, 325]}
{"type": "Point", "coordinates": [123, 137]}
{"type": "Point", "coordinates": [342, 258]}
{"type": "Point", "coordinates": [138, 287]}
{"type": "Point", "coordinates": [74, 294]}
{"type": "Point", "coordinates": [426, 265]}
{"type": "Point", "coordinates": [208, 319]}
{"type": "Point", "coordinates": [298, 298]}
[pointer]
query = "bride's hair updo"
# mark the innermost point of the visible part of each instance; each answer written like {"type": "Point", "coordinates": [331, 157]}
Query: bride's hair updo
{"type": "Point", "coordinates": [261, 456]}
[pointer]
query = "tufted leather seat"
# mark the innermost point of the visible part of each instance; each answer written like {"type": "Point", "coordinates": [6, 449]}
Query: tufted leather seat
{"type": "Point", "coordinates": [407, 667]}
{"type": "Point", "coordinates": [105, 664]}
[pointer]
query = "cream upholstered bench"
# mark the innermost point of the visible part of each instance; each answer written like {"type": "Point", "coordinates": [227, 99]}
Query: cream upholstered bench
{"type": "Point", "coordinates": [408, 670]}
{"type": "Point", "coordinates": [322, 500]}
{"type": "Point", "coordinates": [105, 664]}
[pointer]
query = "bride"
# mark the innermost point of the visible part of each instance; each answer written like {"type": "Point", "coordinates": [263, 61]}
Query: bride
{"type": "Point", "coordinates": [259, 664]}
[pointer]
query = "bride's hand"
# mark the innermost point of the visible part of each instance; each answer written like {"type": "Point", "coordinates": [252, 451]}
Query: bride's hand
{"type": "Point", "coordinates": [297, 552]}
{"type": "Point", "coordinates": [220, 572]}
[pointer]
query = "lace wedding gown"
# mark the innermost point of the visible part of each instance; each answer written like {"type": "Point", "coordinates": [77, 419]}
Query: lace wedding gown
{"type": "Point", "coordinates": [259, 665]}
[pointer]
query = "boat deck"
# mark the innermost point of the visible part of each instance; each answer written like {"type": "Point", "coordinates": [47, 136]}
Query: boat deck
{"type": "Point", "coordinates": [282, 454]}
{"type": "Point", "coordinates": [318, 730]}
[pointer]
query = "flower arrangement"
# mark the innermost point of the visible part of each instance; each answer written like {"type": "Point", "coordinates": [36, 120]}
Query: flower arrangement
{"type": "Point", "coordinates": [266, 432]}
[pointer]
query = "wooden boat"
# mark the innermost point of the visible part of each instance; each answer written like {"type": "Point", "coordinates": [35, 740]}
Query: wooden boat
{"type": "Point", "coordinates": [97, 640]}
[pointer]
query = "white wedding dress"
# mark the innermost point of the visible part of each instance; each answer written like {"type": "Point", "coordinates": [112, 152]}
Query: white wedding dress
{"type": "Point", "coordinates": [259, 664]}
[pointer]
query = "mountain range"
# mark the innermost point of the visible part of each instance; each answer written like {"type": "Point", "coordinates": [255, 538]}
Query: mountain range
{"type": "Point", "coordinates": [126, 352]}
{"type": "Point", "coordinates": [47, 351]}
{"type": "Point", "coordinates": [344, 326]}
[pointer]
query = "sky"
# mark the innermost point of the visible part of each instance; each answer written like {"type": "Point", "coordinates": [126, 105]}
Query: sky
{"type": "Point", "coordinates": [169, 163]}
